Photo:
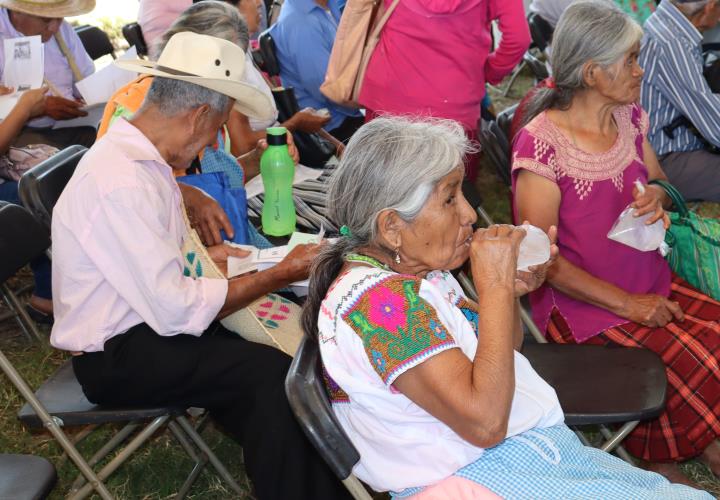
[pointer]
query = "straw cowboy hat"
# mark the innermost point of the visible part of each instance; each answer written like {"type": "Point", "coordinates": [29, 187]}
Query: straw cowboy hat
{"type": "Point", "coordinates": [210, 62]}
{"type": "Point", "coordinates": [50, 8]}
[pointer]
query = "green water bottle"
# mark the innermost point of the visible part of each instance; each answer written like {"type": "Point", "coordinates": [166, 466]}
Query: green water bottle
{"type": "Point", "coordinates": [277, 169]}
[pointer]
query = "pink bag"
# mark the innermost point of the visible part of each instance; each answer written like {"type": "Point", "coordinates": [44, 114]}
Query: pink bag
{"type": "Point", "coordinates": [357, 35]}
{"type": "Point", "coordinates": [17, 161]}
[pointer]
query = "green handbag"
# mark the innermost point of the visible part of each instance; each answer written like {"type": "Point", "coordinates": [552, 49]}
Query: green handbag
{"type": "Point", "coordinates": [694, 243]}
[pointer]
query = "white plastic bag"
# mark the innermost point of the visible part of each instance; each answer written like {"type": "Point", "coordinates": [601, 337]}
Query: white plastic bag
{"type": "Point", "coordinates": [534, 248]}
{"type": "Point", "coordinates": [633, 232]}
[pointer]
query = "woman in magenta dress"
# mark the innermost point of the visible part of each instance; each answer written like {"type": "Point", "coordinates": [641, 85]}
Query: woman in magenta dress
{"type": "Point", "coordinates": [574, 165]}
{"type": "Point", "coordinates": [434, 58]}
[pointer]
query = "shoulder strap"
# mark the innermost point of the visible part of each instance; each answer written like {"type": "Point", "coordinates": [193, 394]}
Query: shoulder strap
{"type": "Point", "coordinates": [383, 19]}
{"type": "Point", "coordinates": [77, 74]}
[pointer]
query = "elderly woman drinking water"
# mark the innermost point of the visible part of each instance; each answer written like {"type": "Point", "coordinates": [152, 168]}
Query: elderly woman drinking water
{"type": "Point", "coordinates": [430, 386]}
{"type": "Point", "coordinates": [574, 166]}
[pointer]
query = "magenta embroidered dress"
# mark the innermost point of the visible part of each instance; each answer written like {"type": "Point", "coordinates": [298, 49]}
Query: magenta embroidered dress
{"type": "Point", "coordinates": [595, 188]}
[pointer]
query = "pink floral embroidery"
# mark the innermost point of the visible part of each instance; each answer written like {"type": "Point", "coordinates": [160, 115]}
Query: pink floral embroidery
{"type": "Point", "coordinates": [387, 309]}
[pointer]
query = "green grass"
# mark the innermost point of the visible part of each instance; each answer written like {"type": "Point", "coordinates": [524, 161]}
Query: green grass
{"type": "Point", "coordinates": [157, 470]}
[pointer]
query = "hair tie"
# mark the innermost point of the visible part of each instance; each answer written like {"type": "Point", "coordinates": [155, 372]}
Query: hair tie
{"type": "Point", "coordinates": [550, 83]}
{"type": "Point", "coordinates": [345, 231]}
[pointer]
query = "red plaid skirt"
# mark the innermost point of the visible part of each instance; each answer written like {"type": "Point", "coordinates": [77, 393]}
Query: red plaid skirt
{"type": "Point", "coordinates": [690, 351]}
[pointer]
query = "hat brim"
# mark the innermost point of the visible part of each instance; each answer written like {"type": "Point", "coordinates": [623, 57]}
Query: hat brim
{"type": "Point", "coordinates": [68, 9]}
{"type": "Point", "coordinates": [248, 100]}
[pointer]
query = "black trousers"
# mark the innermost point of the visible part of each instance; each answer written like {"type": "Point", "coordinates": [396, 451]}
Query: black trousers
{"type": "Point", "coordinates": [241, 383]}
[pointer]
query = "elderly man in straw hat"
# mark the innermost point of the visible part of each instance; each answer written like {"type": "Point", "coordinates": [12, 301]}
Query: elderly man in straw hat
{"type": "Point", "coordinates": [141, 331]}
{"type": "Point", "coordinates": [66, 62]}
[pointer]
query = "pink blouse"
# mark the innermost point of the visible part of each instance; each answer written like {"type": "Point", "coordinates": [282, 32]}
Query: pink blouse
{"type": "Point", "coordinates": [433, 57]}
{"type": "Point", "coordinates": [595, 188]}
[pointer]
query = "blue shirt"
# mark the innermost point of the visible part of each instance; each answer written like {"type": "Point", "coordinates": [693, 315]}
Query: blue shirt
{"type": "Point", "coordinates": [304, 35]}
{"type": "Point", "coordinates": [674, 85]}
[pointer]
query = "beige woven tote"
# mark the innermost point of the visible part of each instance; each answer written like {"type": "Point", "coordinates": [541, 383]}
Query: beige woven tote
{"type": "Point", "coordinates": [271, 320]}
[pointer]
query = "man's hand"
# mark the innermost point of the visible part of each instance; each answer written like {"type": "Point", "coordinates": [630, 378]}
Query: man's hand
{"type": "Point", "coordinates": [60, 108]}
{"type": "Point", "coordinates": [220, 253]}
{"type": "Point", "coordinates": [308, 120]}
{"type": "Point", "coordinates": [262, 145]}
{"type": "Point", "coordinates": [206, 215]}
{"type": "Point", "coordinates": [296, 264]}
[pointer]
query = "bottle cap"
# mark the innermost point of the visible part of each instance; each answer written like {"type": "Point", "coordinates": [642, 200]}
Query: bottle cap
{"type": "Point", "coordinates": [277, 136]}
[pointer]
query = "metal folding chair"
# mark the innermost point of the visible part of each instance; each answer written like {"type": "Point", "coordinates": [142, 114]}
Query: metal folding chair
{"type": "Point", "coordinates": [309, 401]}
{"type": "Point", "coordinates": [15, 253]}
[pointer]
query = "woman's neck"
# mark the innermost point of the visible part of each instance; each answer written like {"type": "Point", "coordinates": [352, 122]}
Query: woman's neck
{"type": "Point", "coordinates": [592, 113]}
{"type": "Point", "coordinates": [387, 258]}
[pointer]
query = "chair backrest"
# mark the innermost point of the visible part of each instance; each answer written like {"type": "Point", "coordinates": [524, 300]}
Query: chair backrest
{"type": "Point", "coordinates": [134, 36]}
{"type": "Point", "coordinates": [96, 42]}
{"type": "Point", "coordinates": [23, 239]}
{"type": "Point", "coordinates": [537, 67]}
{"type": "Point", "coordinates": [540, 31]}
{"type": "Point", "coordinates": [41, 186]}
{"type": "Point", "coordinates": [496, 147]}
{"type": "Point", "coordinates": [309, 401]}
{"type": "Point", "coordinates": [269, 55]}
{"type": "Point", "coordinates": [504, 120]}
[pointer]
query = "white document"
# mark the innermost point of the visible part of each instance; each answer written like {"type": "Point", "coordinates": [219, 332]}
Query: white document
{"type": "Point", "coordinates": [101, 86]}
{"type": "Point", "coordinates": [265, 258]}
{"type": "Point", "coordinates": [24, 63]}
{"type": "Point", "coordinates": [255, 186]}
{"type": "Point", "coordinates": [94, 115]}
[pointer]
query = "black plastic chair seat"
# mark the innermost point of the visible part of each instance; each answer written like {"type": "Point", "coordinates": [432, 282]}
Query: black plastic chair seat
{"type": "Point", "coordinates": [62, 397]}
{"type": "Point", "coordinates": [25, 477]}
{"type": "Point", "coordinates": [601, 385]}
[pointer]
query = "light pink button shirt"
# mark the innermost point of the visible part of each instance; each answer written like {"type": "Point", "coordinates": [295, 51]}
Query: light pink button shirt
{"type": "Point", "coordinates": [117, 232]}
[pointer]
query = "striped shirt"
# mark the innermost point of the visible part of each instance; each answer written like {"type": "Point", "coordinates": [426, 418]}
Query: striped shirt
{"type": "Point", "coordinates": [674, 85]}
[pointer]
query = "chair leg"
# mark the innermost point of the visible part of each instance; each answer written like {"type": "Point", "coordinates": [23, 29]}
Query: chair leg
{"type": "Point", "coordinates": [123, 455]}
{"type": "Point", "coordinates": [514, 76]}
{"type": "Point", "coordinates": [106, 449]}
{"type": "Point", "coordinates": [200, 461]}
{"type": "Point", "coordinates": [484, 216]}
{"type": "Point", "coordinates": [26, 323]}
{"type": "Point", "coordinates": [356, 489]}
{"type": "Point", "coordinates": [214, 460]}
{"type": "Point", "coordinates": [52, 425]}
{"type": "Point", "coordinates": [614, 440]}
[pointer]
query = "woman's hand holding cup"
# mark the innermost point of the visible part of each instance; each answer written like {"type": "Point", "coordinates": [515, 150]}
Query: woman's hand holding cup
{"type": "Point", "coordinates": [493, 256]}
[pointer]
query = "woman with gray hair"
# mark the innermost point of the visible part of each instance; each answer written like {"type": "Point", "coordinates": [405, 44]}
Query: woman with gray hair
{"type": "Point", "coordinates": [429, 385]}
{"type": "Point", "coordinates": [581, 159]}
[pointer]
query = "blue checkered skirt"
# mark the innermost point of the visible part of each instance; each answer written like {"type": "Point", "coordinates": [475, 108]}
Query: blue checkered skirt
{"type": "Point", "coordinates": [552, 463]}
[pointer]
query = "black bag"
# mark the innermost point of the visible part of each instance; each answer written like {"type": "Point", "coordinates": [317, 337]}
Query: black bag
{"type": "Point", "coordinates": [314, 150]}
